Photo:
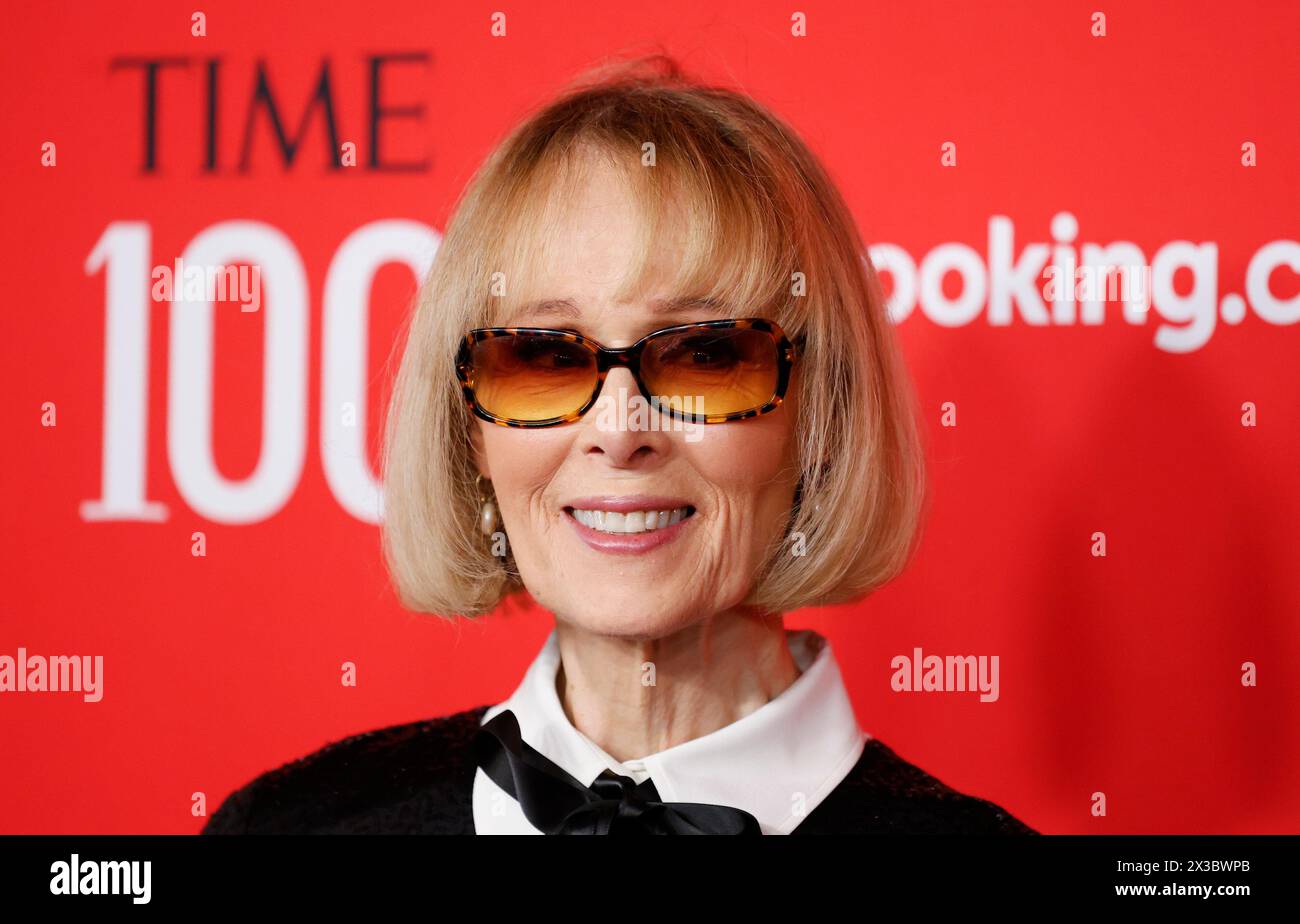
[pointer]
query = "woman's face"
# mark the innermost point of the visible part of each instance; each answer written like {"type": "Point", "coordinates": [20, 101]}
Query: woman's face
{"type": "Point", "coordinates": [736, 480]}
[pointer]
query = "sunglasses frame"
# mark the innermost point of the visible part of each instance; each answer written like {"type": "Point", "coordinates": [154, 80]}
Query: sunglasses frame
{"type": "Point", "coordinates": [630, 358]}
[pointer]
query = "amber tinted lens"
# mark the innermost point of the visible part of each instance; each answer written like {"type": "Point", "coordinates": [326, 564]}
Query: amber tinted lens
{"type": "Point", "coordinates": [529, 377]}
{"type": "Point", "coordinates": [710, 371]}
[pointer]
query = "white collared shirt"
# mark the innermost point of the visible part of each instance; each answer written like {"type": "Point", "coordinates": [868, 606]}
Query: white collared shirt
{"type": "Point", "coordinates": [778, 763]}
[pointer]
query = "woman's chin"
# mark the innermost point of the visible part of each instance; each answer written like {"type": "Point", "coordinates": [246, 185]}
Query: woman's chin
{"type": "Point", "coordinates": [625, 619]}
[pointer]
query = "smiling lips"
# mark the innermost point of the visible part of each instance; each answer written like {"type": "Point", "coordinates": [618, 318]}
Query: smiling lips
{"type": "Point", "coordinates": [638, 521]}
{"type": "Point", "coordinates": [625, 525]}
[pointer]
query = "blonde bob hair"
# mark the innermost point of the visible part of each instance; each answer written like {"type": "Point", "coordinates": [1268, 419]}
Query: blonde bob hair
{"type": "Point", "coordinates": [766, 234]}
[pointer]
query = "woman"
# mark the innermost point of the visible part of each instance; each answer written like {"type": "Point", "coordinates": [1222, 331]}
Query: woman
{"type": "Point", "coordinates": [649, 381]}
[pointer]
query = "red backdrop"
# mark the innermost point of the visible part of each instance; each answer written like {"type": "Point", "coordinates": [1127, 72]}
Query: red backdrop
{"type": "Point", "coordinates": [1119, 674]}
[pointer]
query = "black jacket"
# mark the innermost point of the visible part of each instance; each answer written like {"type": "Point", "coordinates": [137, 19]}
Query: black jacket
{"type": "Point", "coordinates": [418, 778]}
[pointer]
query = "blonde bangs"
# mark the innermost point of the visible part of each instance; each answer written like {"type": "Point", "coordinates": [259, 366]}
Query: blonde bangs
{"type": "Point", "coordinates": [736, 245]}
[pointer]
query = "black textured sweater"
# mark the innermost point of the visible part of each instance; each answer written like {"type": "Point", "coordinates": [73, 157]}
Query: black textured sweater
{"type": "Point", "coordinates": [418, 778]}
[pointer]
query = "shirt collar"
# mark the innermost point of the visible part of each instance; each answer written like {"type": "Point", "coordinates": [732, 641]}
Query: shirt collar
{"type": "Point", "coordinates": [777, 763]}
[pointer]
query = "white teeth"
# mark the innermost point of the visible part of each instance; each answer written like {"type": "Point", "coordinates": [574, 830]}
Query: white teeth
{"type": "Point", "coordinates": [638, 521]}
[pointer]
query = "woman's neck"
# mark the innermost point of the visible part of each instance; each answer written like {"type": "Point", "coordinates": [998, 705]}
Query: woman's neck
{"type": "Point", "coordinates": [636, 697]}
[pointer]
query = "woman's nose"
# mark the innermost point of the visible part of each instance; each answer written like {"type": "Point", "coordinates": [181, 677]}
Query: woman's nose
{"type": "Point", "coordinates": [622, 425]}
{"type": "Point", "coordinates": [620, 392]}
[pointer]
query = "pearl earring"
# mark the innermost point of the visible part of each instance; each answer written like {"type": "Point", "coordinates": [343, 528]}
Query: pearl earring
{"type": "Point", "coordinates": [488, 511]}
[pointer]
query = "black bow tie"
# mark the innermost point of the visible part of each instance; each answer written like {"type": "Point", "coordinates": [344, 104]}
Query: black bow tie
{"type": "Point", "coordinates": [556, 803]}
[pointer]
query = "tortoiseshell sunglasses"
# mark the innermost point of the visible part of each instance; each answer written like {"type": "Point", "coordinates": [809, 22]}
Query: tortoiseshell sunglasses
{"type": "Point", "coordinates": [707, 372]}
